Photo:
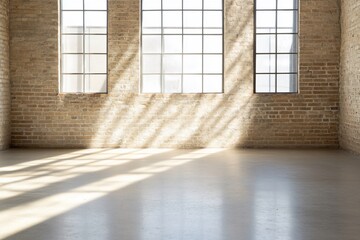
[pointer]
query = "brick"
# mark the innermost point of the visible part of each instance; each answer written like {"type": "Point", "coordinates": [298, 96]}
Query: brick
{"type": "Point", "coordinates": [124, 118]}
{"type": "Point", "coordinates": [350, 76]}
{"type": "Point", "coordinates": [4, 76]}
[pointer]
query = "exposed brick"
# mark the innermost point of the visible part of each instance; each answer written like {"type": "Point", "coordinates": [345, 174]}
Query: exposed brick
{"type": "Point", "coordinates": [4, 76]}
{"type": "Point", "coordinates": [125, 118]}
{"type": "Point", "coordinates": [350, 76]}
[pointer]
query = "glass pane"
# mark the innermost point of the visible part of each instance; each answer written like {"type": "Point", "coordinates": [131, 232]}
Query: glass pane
{"type": "Point", "coordinates": [192, 84]}
{"type": "Point", "coordinates": [72, 63]}
{"type": "Point", "coordinates": [287, 22]}
{"type": "Point", "coordinates": [213, 63]}
{"type": "Point", "coordinates": [72, 22]}
{"type": "Point", "coordinates": [192, 44]}
{"type": "Point", "coordinates": [213, 84]}
{"type": "Point", "coordinates": [265, 83]}
{"type": "Point", "coordinates": [287, 43]}
{"type": "Point", "coordinates": [151, 84]}
{"type": "Point", "coordinates": [151, 4]}
{"type": "Point", "coordinates": [266, 4]}
{"type": "Point", "coordinates": [213, 44]}
{"type": "Point", "coordinates": [172, 63]}
{"type": "Point", "coordinates": [151, 31]}
{"type": "Point", "coordinates": [172, 4]}
{"type": "Point", "coordinates": [213, 19]}
{"type": "Point", "coordinates": [72, 43]}
{"type": "Point", "coordinates": [151, 19]}
{"type": "Point", "coordinates": [151, 44]}
{"type": "Point", "coordinates": [192, 19]}
{"type": "Point", "coordinates": [287, 83]}
{"type": "Point", "coordinates": [172, 44]}
{"type": "Point", "coordinates": [95, 63]}
{"type": "Point", "coordinates": [193, 30]}
{"type": "Point", "coordinates": [72, 4]}
{"type": "Point", "coordinates": [265, 22]}
{"type": "Point", "coordinates": [172, 83]}
{"type": "Point", "coordinates": [213, 4]}
{"type": "Point", "coordinates": [151, 64]}
{"type": "Point", "coordinates": [265, 63]}
{"type": "Point", "coordinates": [72, 83]}
{"type": "Point", "coordinates": [95, 22]}
{"type": "Point", "coordinates": [95, 4]}
{"type": "Point", "coordinates": [172, 31]}
{"type": "Point", "coordinates": [172, 19]}
{"type": "Point", "coordinates": [287, 63]}
{"type": "Point", "coordinates": [265, 44]}
{"type": "Point", "coordinates": [95, 44]}
{"type": "Point", "coordinates": [192, 4]}
{"type": "Point", "coordinates": [213, 31]}
{"type": "Point", "coordinates": [193, 64]}
{"type": "Point", "coordinates": [287, 4]}
{"type": "Point", "coordinates": [95, 83]}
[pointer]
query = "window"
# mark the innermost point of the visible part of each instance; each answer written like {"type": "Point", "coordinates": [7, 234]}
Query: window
{"type": "Point", "coordinates": [276, 46]}
{"type": "Point", "coordinates": [83, 46]}
{"type": "Point", "coordinates": [182, 46]}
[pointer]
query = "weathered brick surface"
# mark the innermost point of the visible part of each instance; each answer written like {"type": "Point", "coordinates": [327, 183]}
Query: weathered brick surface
{"type": "Point", "coordinates": [124, 118]}
{"type": "Point", "coordinates": [4, 76]}
{"type": "Point", "coordinates": [350, 76]}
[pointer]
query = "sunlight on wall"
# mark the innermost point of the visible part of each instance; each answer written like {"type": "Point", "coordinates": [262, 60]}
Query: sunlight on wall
{"type": "Point", "coordinates": [179, 120]}
{"type": "Point", "coordinates": [33, 213]}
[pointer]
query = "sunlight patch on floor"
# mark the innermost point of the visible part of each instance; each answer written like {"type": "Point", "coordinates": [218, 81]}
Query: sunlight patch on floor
{"type": "Point", "coordinates": [33, 213]}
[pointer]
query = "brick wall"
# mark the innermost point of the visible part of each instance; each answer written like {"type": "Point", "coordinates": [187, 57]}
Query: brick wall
{"type": "Point", "coordinates": [4, 76]}
{"type": "Point", "coordinates": [350, 76]}
{"type": "Point", "coordinates": [124, 118]}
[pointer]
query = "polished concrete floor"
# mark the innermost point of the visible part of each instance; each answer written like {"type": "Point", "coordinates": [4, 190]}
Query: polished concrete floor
{"type": "Point", "coordinates": [208, 194]}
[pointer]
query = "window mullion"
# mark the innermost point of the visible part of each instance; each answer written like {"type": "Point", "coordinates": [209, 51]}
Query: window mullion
{"type": "Point", "coordinates": [276, 47]}
{"type": "Point", "coordinates": [202, 46]}
{"type": "Point", "coordinates": [162, 49]}
{"type": "Point", "coordinates": [182, 46]}
{"type": "Point", "coordinates": [83, 36]}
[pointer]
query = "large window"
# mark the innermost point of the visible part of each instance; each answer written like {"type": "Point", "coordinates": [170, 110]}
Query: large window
{"type": "Point", "coordinates": [276, 48]}
{"type": "Point", "coordinates": [182, 46]}
{"type": "Point", "coordinates": [83, 46]}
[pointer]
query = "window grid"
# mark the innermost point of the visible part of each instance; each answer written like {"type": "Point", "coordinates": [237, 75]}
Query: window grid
{"type": "Point", "coordinates": [84, 52]}
{"type": "Point", "coordinates": [163, 34]}
{"type": "Point", "coordinates": [202, 45]}
{"type": "Point", "coordinates": [276, 52]}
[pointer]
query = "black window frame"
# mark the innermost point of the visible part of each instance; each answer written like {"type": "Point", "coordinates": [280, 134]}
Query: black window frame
{"type": "Point", "coordinates": [84, 34]}
{"type": "Point", "coordinates": [162, 74]}
{"type": "Point", "coordinates": [276, 53]}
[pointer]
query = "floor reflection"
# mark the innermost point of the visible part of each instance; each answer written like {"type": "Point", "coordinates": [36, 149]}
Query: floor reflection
{"type": "Point", "coordinates": [272, 211]}
{"type": "Point", "coordinates": [207, 194]}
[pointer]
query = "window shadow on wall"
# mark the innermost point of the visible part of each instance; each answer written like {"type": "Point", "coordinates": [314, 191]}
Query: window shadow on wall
{"type": "Point", "coordinates": [129, 119]}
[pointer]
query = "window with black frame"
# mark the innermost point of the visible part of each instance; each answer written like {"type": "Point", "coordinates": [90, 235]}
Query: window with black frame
{"type": "Point", "coordinates": [83, 46]}
{"type": "Point", "coordinates": [276, 46]}
{"type": "Point", "coordinates": [182, 46]}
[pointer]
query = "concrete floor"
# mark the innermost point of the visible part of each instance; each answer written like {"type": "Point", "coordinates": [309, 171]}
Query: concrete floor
{"type": "Point", "coordinates": [169, 194]}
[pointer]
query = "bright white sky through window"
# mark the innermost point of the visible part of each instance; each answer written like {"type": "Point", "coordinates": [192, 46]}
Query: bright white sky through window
{"type": "Point", "coordinates": [83, 46]}
{"type": "Point", "coordinates": [276, 68]}
{"type": "Point", "coordinates": [182, 46]}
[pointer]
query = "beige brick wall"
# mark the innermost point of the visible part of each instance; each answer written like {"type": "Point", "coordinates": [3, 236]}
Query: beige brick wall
{"type": "Point", "coordinates": [350, 76]}
{"type": "Point", "coordinates": [4, 76]}
{"type": "Point", "coordinates": [124, 118]}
